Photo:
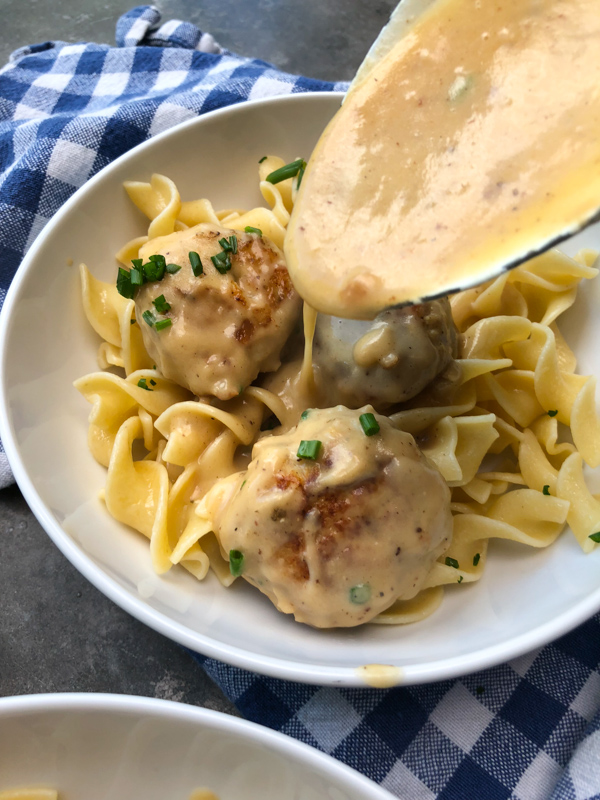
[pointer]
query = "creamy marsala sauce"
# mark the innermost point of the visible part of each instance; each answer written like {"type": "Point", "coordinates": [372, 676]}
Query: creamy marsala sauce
{"type": "Point", "coordinates": [337, 539]}
{"type": "Point", "coordinates": [472, 143]}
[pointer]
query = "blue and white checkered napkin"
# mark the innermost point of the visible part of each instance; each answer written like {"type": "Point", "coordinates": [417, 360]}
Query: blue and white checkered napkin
{"type": "Point", "coordinates": [526, 730]}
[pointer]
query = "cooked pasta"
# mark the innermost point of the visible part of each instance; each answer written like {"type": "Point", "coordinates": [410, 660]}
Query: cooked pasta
{"type": "Point", "coordinates": [509, 425]}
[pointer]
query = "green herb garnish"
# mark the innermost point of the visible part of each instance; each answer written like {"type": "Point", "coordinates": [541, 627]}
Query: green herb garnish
{"type": "Point", "coordinates": [149, 317]}
{"type": "Point", "coordinates": [221, 262]}
{"type": "Point", "coordinates": [300, 176]}
{"type": "Point", "coordinates": [161, 305]}
{"type": "Point", "coordinates": [132, 322]}
{"type": "Point", "coordinates": [137, 276]}
{"type": "Point", "coordinates": [305, 413]}
{"type": "Point", "coordinates": [196, 264]}
{"type": "Point", "coordinates": [460, 580]}
{"type": "Point", "coordinates": [124, 285]}
{"type": "Point", "coordinates": [369, 424]}
{"type": "Point", "coordinates": [476, 558]}
{"type": "Point", "coordinates": [154, 270]}
{"type": "Point", "coordinates": [225, 244]}
{"type": "Point", "coordinates": [236, 562]}
{"type": "Point", "coordinates": [250, 229]}
{"type": "Point", "coordinates": [260, 160]}
{"type": "Point", "coordinates": [451, 562]}
{"type": "Point", "coordinates": [153, 382]}
{"type": "Point", "coordinates": [137, 262]}
{"type": "Point", "coordinates": [233, 244]}
{"type": "Point", "coordinates": [172, 268]}
{"type": "Point", "coordinates": [546, 490]}
{"type": "Point", "coordinates": [309, 448]}
{"type": "Point", "coordinates": [553, 413]}
{"type": "Point", "coordinates": [288, 171]}
{"type": "Point", "coordinates": [143, 385]}
{"type": "Point", "coordinates": [161, 324]}
{"type": "Point", "coordinates": [595, 537]}
{"type": "Point", "coordinates": [360, 594]}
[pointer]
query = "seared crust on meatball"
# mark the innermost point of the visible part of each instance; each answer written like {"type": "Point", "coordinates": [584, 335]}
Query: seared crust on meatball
{"type": "Point", "coordinates": [337, 539]}
{"type": "Point", "coordinates": [386, 361]}
{"type": "Point", "coordinates": [226, 328]}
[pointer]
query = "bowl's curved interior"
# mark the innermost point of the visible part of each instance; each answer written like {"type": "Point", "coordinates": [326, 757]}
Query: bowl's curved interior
{"type": "Point", "coordinates": [91, 747]}
{"type": "Point", "coordinates": [525, 598]}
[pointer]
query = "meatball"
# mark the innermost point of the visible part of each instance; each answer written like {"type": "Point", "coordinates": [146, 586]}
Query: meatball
{"type": "Point", "coordinates": [226, 326]}
{"type": "Point", "coordinates": [336, 539]}
{"type": "Point", "coordinates": [386, 361]}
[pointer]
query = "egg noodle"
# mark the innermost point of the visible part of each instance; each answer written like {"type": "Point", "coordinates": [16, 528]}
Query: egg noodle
{"type": "Point", "coordinates": [502, 442]}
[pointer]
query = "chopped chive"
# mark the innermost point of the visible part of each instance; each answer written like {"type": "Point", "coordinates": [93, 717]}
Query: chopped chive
{"type": "Point", "coordinates": [369, 424]}
{"type": "Point", "coordinates": [309, 448]}
{"type": "Point", "coordinates": [360, 594]}
{"type": "Point", "coordinates": [225, 244]}
{"type": "Point", "coordinates": [149, 318]}
{"type": "Point", "coordinates": [236, 562]}
{"type": "Point", "coordinates": [172, 268]}
{"type": "Point", "coordinates": [476, 558]}
{"type": "Point", "coordinates": [300, 176]}
{"type": "Point", "coordinates": [305, 413]}
{"type": "Point", "coordinates": [161, 305]}
{"type": "Point", "coordinates": [137, 276]}
{"type": "Point", "coordinates": [260, 160]}
{"type": "Point", "coordinates": [161, 324]}
{"type": "Point", "coordinates": [158, 259]}
{"type": "Point", "coordinates": [288, 171]}
{"type": "Point", "coordinates": [553, 413]}
{"type": "Point", "coordinates": [451, 562]}
{"type": "Point", "coordinates": [137, 262]}
{"type": "Point", "coordinates": [196, 264]}
{"type": "Point", "coordinates": [250, 229]}
{"type": "Point", "coordinates": [233, 243]}
{"type": "Point", "coordinates": [595, 537]}
{"type": "Point", "coordinates": [154, 270]}
{"type": "Point", "coordinates": [124, 285]}
{"type": "Point", "coordinates": [546, 490]}
{"type": "Point", "coordinates": [222, 262]}
{"type": "Point", "coordinates": [243, 484]}
{"type": "Point", "coordinates": [153, 382]}
{"type": "Point", "coordinates": [143, 385]}
{"type": "Point", "coordinates": [132, 322]}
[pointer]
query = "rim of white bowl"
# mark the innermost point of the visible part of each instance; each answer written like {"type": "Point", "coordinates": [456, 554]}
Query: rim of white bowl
{"type": "Point", "coordinates": [287, 669]}
{"type": "Point", "coordinates": [281, 743]}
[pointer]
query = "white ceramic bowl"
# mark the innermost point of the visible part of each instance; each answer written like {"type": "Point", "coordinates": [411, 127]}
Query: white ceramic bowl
{"type": "Point", "coordinates": [526, 597]}
{"type": "Point", "coordinates": [97, 746]}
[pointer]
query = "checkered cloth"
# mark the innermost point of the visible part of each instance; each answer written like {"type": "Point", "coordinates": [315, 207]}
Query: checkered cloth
{"type": "Point", "coordinates": [526, 730]}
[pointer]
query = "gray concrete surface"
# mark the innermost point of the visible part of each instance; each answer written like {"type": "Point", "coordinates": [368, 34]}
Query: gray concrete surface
{"type": "Point", "coordinates": [324, 39]}
{"type": "Point", "coordinates": [57, 632]}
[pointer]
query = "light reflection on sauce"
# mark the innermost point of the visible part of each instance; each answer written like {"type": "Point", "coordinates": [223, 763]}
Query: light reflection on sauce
{"type": "Point", "coordinates": [380, 676]}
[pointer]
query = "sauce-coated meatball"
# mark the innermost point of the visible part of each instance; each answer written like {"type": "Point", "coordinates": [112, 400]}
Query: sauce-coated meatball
{"type": "Point", "coordinates": [337, 539]}
{"type": "Point", "coordinates": [386, 361]}
{"type": "Point", "coordinates": [226, 327]}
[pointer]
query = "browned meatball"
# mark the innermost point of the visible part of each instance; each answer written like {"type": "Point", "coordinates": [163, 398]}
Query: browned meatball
{"type": "Point", "coordinates": [386, 361]}
{"type": "Point", "coordinates": [335, 540]}
{"type": "Point", "coordinates": [226, 327]}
